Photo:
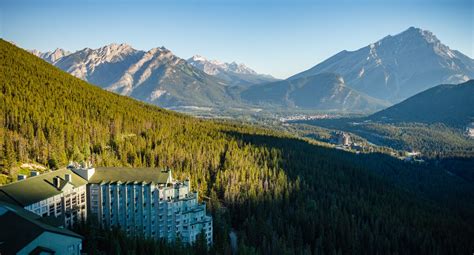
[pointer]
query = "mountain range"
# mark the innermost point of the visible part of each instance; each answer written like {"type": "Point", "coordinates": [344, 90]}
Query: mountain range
{"type": "Point", "coordinates": [235, 74]}
{"type": "Point", "coordinates": [156, 76]}
{"type": "Point", "coordinates": [366, 80]}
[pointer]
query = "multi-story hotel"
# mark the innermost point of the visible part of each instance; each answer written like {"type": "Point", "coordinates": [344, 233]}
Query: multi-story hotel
{"type": "Point", "coordinates": [141, 201]}
{"type": "Point", "coordinates": [58, 194]}
{"type": "Point", "coordinates": [148, 202]}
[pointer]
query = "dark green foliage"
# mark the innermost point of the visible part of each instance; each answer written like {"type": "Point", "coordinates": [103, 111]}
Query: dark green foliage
{"type": "Point", "coordinates": [452, 105]}
{"type": "Point", "coordinates": [115, 241]}
{"type": "Point", "coordinates": [461, 166]}
{"type": "Point", "coordinates": [281, 195]}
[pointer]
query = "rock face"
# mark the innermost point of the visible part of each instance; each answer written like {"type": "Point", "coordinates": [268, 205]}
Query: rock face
{"type": "Point", "coordinates": [325, 91]}
{"type": "Point", "coordinates": [397, 67]}
{"type": "Point", "coordinates": [235, 74]}
{"type": "Point", "coordinates": [156, 76]}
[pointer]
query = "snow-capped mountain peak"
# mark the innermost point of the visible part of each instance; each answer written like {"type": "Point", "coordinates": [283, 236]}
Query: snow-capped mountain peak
{"type": "Point", "coordinates": [236, 74]}
{"type": "Point", "coordinates": [51, 56]}
{"type": "Point", "coordinates": [197, 58]}
{"type": "Point", "coordinates": [398, 66]}
{"type": "Point", "coordinates": [214, 67]}
{"type": "Point", "coordinates": [240, 68]}
{"type": "Point", "coordinates": [111, 53]}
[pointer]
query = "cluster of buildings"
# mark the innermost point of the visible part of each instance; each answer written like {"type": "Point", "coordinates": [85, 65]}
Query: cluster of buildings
{"type": "Point", "coordinates": [145, 202]}
{"type": "Point", "coordinates": [306, 117]}
{"type": "Point", "coordinates": [412, 156]}
{"type": "Point", "coordinates": [341, 138]}
{"type": "Point", "coordinates": [344, 141]}
{"type": "Point", "coordinates": [470, 130]}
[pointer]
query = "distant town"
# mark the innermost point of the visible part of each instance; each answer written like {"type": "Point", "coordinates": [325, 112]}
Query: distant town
{"type": "Point", "coordinates": [307, 117]}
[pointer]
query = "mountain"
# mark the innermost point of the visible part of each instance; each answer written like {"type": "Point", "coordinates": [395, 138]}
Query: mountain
{"type": "Point", "coordinates": [235, 74]}
{"type": "Point", "coordinates": [397, 67]}
{"type": "Point", "coordinates": [326, 91]}
{"type": "Point", "coordinates": [51, 56]}
{"type": "Point", "coordinates": [260, 184]}
{"type": "Point", "coordinates": [156, 76]}
{"type": "Point", "coordinates": [449, 104]}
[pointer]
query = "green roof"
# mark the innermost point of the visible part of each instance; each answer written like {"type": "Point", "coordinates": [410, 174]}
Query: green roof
{"type": "Point", "coordinates": [126, 174]}
{"type": "Point", "coordinates": [37, 188]}
{"type": "Point", "coordinates": [23, 227]}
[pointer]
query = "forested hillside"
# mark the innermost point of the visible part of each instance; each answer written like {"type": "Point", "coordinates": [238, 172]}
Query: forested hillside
{"type": "Point", "coordinates": [452, 105]}
{"type": "Point", "coordinates": [281, 195]}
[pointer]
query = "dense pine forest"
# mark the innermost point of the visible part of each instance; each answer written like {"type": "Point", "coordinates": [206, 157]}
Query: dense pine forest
{"type": "Point", "coordinates": [278, 193]}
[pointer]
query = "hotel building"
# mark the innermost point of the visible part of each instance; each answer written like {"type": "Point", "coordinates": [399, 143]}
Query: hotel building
{"type": "Point", "coordinates": [143, 202]}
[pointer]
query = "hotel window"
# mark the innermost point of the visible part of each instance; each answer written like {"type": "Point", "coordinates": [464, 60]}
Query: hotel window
{"type": "Point", "coordinates": [51, 209]}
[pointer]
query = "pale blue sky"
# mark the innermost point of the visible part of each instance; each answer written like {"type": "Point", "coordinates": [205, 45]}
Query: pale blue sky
{"type": "Point", "coordinates": [275, 37]}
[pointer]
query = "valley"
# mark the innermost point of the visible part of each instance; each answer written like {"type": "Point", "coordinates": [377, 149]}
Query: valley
{"type": "Point", "coordinates": [236, 127]}
{"type": "Point", "coordinates": [257, 180]}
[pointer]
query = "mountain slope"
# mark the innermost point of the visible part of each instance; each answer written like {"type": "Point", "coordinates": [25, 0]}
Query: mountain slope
{"type": "Point", "coordinates": [449, 104]}
{"type": "Point", "coordinates": [156, 76]}
{"type": "Point", "coordinates": [262, 184]}
{"type": "Point", "coordinates": [235, 74]}
{"type": "Point", "coordinates": [397, 67]}
{"type": "Point", "coordinates": [322, 92]}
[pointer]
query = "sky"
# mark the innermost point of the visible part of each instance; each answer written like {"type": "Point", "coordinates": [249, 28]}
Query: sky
{"type": "Point", "coordinates": [280, 38]}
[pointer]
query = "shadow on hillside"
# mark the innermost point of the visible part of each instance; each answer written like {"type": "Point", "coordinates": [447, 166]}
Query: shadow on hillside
{"type": "Point", "coordinates": [425, 180]}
